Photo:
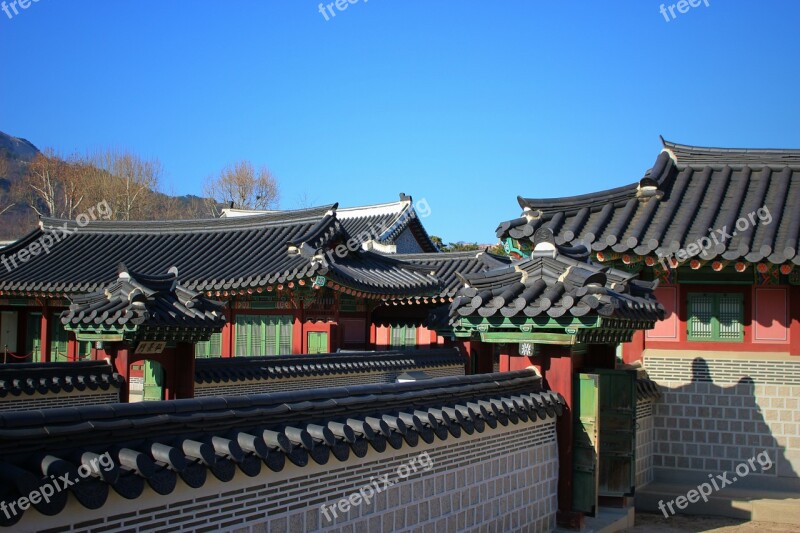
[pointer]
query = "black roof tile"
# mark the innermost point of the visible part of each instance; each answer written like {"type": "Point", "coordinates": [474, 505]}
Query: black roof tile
{"type": "Point", "coordinates": [18, 379]}
{"type": "Point", "coordinates": [213, 255]}
{"type": "Point", "coordinates": [225, 370]}
{"type": "Point", "coordinates": [138, 300]}
{"type": "Point", "coordinates": [554, 281]}
{"type": "Point", "coordinates": [690, 193]}
{"type": "Point", "coordinates": [267, 429]}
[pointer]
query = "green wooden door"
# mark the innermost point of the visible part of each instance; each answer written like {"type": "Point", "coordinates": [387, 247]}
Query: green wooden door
{"type": "Point", "coordinates": [317, 342]}
{"type": "Point", "coordinates": [585, 426]}
{"type": "Point", "coordinates": [617, 432]}
{"type": "Point", "coordinates": [33, 341]}
{"type": "Point", "coordinates": [153, 381]}
{"type": "Point", "coordinates": [59, 339]}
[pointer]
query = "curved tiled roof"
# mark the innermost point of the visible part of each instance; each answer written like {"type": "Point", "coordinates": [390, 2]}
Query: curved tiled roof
{"type": "Point", "coordinates": [135, 300]}
{"type": "Point", "coordinates": [690, 193]}
{"type": "Point", "coordinates": [383, 222]}
{"type": "Point", "coordinates": [218, 370]}
{"type": "Point", "coordinates": [447, 266]}
{"type": "Point", "coordinates": [213, 256]}
{"type": "Point", "coordinates": [555, 281]}
{"type": "Point", "coordinates": [29, 379]}
{"type": "Point", "coordinates": [159, 442]}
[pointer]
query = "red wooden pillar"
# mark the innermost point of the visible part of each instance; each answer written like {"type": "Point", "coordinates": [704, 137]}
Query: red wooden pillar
{"type": "Point", "coordinates": [794, 319]}
{"type": "Point", "coordinates": [45, 334]}
{"type": "Point", "coordinates": [298, 333]}
{"type": "Point", "coordinates": [558, 371]}
{"type": "Point", "coordinates": [227, 334]}
{"type": "Point", "coordinates": [72, 347]}
{"type": "Point", "coordinates": [373, 336]}
{"type": "Point", "coordinates": [120, 358]}
{"type": "Point", "coordinates": [180, 377]}
{"type": "Point", "coordinates": [483, 353]}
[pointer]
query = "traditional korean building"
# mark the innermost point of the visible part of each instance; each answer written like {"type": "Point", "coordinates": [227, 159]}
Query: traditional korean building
{"type": "Point", "coordinates": [293, 282]}
{"type": "Point", "coordinates": [719, 229]}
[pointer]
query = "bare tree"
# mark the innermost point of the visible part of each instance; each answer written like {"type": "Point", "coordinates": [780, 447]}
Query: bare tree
{"type": "Point", "coordinates": [241, 186]}
{"type": "Point", "coordinates": [6, 202]}
{"type": "Point", "coordinates": [53, 187]}
{"type": "Point", "coordinates": [304, 201]}
{"type": "Point", "coordinates": [125, 180]}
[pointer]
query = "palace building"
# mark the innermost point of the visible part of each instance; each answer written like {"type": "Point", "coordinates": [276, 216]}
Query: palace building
{"type": "Point", "coordinates": [631, 343]}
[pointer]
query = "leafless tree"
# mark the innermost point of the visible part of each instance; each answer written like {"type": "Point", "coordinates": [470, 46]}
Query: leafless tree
{"type": "Point", "coordinates": [241, 186]}
{"type": "Point", "coordinates": [53, 186]}
{"type": "Point", "coordinates": [125, 180]}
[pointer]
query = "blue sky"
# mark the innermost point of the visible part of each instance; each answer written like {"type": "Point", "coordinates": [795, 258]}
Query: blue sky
{"type": "Point", "coordinates": [466, 104]}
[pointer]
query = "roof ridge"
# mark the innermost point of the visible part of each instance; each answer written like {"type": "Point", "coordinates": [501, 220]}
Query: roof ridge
{"type": "Point", "coordinates": [189, 225]}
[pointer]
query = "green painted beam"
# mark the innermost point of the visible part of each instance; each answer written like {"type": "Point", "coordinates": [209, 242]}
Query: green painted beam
{"type": "Point", "coordinates": [521, 336]}
{"type": "Point", "coordinates": [538, 322]}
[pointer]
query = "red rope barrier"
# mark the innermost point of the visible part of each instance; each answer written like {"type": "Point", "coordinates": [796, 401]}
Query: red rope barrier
{"type": "Point", "coordinates": [15, 356]}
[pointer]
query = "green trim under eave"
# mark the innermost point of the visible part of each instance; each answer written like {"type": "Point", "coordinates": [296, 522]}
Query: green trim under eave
{"type": "Point", "coordinates": [107, 337]}
{"type": "Point", "coordinates": [530, 322]}
{"type": "Point", "coordinates": [519, 336]}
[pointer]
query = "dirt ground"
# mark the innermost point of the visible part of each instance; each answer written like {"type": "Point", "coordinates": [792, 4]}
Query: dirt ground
{"type": "Point", "coordinates": [656, 523]}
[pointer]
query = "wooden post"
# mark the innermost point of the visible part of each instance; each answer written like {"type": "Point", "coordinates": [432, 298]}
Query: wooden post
{"type": "Point", "coordinates": [373, 336]}
{"type": "Point", "coordinates": [794, 320]}
{"type": "Point", "coordinates": [119, 359]}
{"type": "Point", "coordinates": [558, 373]}
{"type": "Point", "coordinates": [44, 336]}
{"type": "Point", "coordinates": [227, 334]}
{"type": "Point", "coordinates": [180, 377]}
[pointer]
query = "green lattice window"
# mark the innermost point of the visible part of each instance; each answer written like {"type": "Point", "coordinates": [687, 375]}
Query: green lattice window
{"type": "Point", "coordinates": [59, 338]}
{"type": "Point", "coordinates": [716, 317]}
{"type": "Point", "coordinates": [403, 337]}
{"type": "Point", "coordinates": [210, 348]}
{"type": "Point", "coordinates": [33, 340]}
{"type": "Point", "coordinates": [84, 350]}
{"type": "Point", "coordinates": [263, 335]}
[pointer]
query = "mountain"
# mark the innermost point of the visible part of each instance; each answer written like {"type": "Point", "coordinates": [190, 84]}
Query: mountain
{"type": "Point", "coordinates": [15, 156]}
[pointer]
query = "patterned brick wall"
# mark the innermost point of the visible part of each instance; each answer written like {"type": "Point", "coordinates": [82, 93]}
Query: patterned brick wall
{"type": "Point", "coordinates": [645, 442]}
{"type": "Point", "coordinates": [25, 402]}
{"type": "Point", "coordinates": [719, 411]}
{"type": "Point", "coordinates": [343, 380]}
{"type": "Point", "coordinates": [500, 480]}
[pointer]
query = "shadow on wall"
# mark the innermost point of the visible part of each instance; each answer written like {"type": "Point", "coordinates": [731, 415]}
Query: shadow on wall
{"type": "Point", "coordinates": [726, 436]}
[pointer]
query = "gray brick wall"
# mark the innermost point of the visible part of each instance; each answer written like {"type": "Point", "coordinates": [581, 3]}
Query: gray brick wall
{"type": "Point", "coordinates": [342, 380]}
{"type": "Point", "coordinates": [500, 480]}
{"type": "Point", "coordinates": [645, 442]}
{"type": "Point", "coordinates": [25, 402]}
{"type": "Point", "coordinates": [720, 412]}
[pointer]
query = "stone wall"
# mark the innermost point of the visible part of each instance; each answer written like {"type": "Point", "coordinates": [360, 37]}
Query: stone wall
{"type": "Point", "coordinates": [645, 441]}
{"type": "Point", "coordinates": [504, 479]}
{"type": "Point", "coordinates": [50, 400]}
{"type": "Point", "coordinates": [721, 409]}
{"type": "Point", "coordinates": [258, 386]}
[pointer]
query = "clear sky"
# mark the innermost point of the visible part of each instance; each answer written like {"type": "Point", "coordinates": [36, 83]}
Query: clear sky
{"type": "Point", "coordinates": [466, 104]}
